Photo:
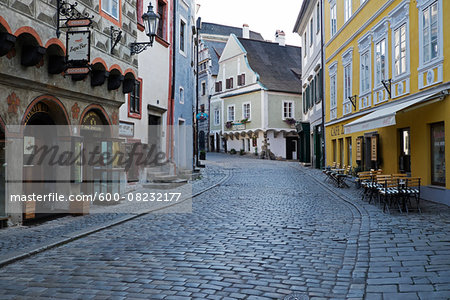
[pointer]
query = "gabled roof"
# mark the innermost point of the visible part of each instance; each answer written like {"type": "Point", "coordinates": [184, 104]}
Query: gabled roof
{"type": "Point", "coordinates": [278, 67]}
{"type": "Point", "coordinates": [224, 30]}
{"type": "Point", "coordinates": [301, 14]}
{"type": "Point", "coordinates": [215, 51]}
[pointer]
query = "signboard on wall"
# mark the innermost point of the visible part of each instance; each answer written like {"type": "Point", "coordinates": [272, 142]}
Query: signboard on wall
{"type": "Point", "coordinates": [359, 148]}
{"type": "Point", "coordinates": [374, 148]}
{"type": "Point", "coordinates": [78, 46]}
{"type": "Point", "coordinates": [126, 129]}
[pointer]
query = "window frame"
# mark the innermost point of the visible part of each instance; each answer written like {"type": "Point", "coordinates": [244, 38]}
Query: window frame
{"type": "Point", "coordinates": [181, 95]}
{"type": "Point", "coordinates": [333, 19]}
{"type": "Point", "coordinates": [311, 31]}
{"type": "Point", "coordinates": [365, 74]}
{"type": "Point", "coordinates": [203, 88]}
{"type": "Point", "coordinates": [228, 113]}
{"type": "Point", "coordinates": [108, 15]}
{"type": "Point", "coordinates": [332, 72]}
{"type": "Point", "coordinates": [132, 113]}
{"type": "Point", "coordinates": [400, 17]}
{"type": "Point", "coordinates": [291, 111]}
{"type": "Point", "coordinates": [422, 6]}
{"type": "Point", "coordinates": [163, 20]}
{"type": "Point", "coordinates": [182, 36]}
{"type": "Point", "coordinates": [318, 18]}
{"type": "Point", "coordinates": [347, 10]}
{"type": "Point", "coordinates": [379, 76]}
{"type": "Point", "coordinates": [249, 111]}
{"type": "Point", "coordinates": [216, 117]}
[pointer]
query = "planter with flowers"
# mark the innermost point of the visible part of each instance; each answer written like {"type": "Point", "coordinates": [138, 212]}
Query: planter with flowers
{"type": "Point", "coordinates": [291, 122]}
{"type": "Point", "coordinates": [228, 125]}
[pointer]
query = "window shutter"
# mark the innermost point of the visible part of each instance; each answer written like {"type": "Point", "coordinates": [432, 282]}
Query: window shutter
{"type": "Point", "coordinates": [243, 79]}
{"type": "Point", "coordinates": [139, 10]}
{"type": "Point", "coordinates": [231, 82]}
{"type": "Point", "coordinates": [321, 84]}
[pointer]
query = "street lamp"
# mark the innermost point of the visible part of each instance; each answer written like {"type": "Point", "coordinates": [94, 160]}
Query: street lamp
{"type": "Point", "coordinates": [151, 20]}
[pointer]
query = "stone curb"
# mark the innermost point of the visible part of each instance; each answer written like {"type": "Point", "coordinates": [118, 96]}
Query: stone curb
{"type": "Point", "coordinates": [8, 259]}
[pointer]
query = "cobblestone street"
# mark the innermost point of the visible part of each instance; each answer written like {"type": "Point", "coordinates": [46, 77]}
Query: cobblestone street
{"type": "Point", "coordinates": [270, 229]}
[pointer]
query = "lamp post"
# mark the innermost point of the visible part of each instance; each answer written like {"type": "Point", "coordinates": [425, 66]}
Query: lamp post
{"type": "Point", "coordinates": [151, 21]}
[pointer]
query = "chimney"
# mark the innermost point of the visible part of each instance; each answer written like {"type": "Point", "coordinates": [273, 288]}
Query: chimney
{"type": "Point", "coordinates": [280, 38]}
{"type": "Point", "coordinates": [245, 31]}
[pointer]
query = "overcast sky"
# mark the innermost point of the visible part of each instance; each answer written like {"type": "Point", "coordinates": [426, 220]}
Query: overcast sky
{"type": "Point", "coordinates": [263, 16]}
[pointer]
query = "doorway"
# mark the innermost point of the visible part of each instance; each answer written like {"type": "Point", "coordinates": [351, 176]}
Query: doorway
{"type": "Point", "coordinates": [291, 147]}
{"type": "Point", "coordinates": [154, 132]}
{"type": "Point", "coordinates": [404, 161]}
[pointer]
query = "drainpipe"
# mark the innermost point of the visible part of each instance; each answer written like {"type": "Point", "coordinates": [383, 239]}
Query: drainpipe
{"type": "Point", "coordinates": [172, 105]}
{"type": "Point", "coordinates": [198, 27]}
{"type": "Point", "coordinates": [323, 82]}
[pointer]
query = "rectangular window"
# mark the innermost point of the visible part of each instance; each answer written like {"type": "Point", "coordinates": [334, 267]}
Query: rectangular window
{"type": "Point", "coordinates": [135, 99]}
{"type": "Point", "coordinates": [333, 20]}
{"type": "Point", "coordinates": [246, 111]}
{"type": "Point", "coordinates": [202, 108]}
{"type": "Point", "coordinates": [216, 117]}
{"type": "Point", "coordinates": [347, 9]}
{"type": "Point", "coordinates": [430, 32]}
{"type": "Point", "coordinates": [229, 83]}
{"type": "Point", "coordinates": [241, 79]}
{"type": "Point", "coordinates": [231, 113]}
{"type": "Point", "coordinates": [438, 154]}
{"type": "Point", "coordinates": [111, 7]}
{"type": "Point", "coordinates": [311, 31]}
{"type": "Point", "coordinates": [347, 82]}
{"type": "Point", "coordinates": [365, 72]}
{"type": "Point", "coordinates": [218, 86]}
{"type": "Point", "coordinates": [380, 62]}
{"type": "Point", "coordinates": [182, 34]}
{"type": "Point", "coordinates": [181, 95]}
{"type": "Point", "coordinates": [400, 50]}
{"type": "Point", "coordinates": [162, 19]}
{"type": "Point", "coordinates": [203, 88]}
{"type": "Point", "coordinates": [288, 109]}
{"type": "Point", "coordinates": [304, 44]}
{"type": "Point", "coordinates": [318, 18]}
{"type": "Point", "coordinates": [333, 98]}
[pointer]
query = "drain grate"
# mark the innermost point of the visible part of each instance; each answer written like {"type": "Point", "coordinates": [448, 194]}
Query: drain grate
{"type": "Point", "coordinates": [296, 296]}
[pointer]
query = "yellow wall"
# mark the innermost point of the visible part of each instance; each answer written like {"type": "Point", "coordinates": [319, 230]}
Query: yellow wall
{"type": "Point", "coordinates": [418, 120]}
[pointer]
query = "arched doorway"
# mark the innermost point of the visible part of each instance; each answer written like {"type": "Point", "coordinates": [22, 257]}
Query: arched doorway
{"type": "Point", "coordinates": [40, 176]}
{"type": "Point", "coordinates": [98, 173]}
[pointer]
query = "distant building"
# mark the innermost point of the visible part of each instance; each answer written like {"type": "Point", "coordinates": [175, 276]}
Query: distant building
{"type": "Point", "coordinates": [257, 97]}
{"type": "Point", "coordinates": [35, 91]}
{"type": "Point", "coordinates": [387, 86]}
{"type": "Point", "coordinates": [213, 38]}
{"type": "Point", "coordinates": [308, 26]}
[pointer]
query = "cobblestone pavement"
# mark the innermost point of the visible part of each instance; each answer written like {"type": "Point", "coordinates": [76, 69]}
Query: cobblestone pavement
{"type": "Point", "coordinates": [272, 229]}
{"type": "Point", "coordinates": [27, 238]}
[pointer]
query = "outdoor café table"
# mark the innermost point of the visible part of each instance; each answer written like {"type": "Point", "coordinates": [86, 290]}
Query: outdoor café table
{"type": "Point", "coordinates": [340, 178]}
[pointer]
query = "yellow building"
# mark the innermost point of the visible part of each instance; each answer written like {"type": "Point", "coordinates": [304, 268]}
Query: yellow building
{"type": "Point", "coordinates": [387, 89]}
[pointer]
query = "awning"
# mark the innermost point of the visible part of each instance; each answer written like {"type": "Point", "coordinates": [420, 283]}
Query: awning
{"type": "Point", "coordinates": [382, 117]}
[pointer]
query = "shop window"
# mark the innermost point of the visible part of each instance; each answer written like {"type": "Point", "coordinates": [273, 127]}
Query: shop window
{"type": "Point", "coordinates": [438, 154]}
{"type": "Point", "coordinates": [341, 152]}
{"type": "Point", "coordinates": [333, 143]}
{"type": "Point", "coordinates": [349, 151]}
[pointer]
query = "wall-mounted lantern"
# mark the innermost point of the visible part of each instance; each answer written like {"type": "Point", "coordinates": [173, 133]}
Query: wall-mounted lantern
{"type": "Point", "coordinates": [151, 20]}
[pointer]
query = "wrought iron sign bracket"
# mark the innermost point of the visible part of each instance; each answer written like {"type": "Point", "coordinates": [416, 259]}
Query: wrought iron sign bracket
{"type": "Point", "coordinates": [387, 85]}
{"type": "Point", "coordinates": [69, 16]}
{"type": "Point", "coordinates": [137, 48]}
{"type": "Point", "coordinates": [116, 36]}
{"type": "Point", "coordinates": [353, 100]}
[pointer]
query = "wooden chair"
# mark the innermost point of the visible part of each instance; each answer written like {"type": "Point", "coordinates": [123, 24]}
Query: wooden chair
{"type": "Point", "coordinates": [412, 190]}
{"type": "Point", "coordinates": [389, 193]}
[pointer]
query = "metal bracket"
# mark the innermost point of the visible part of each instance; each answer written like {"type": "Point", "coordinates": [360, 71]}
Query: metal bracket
{"type": "Point", "coordinates": [387, 85]}
{"type": "Point", "coordinates": [353, 100]}
{"type": "Point", "coordinates": [116, 36]}
{"type": "Point", "coordinates": [67, 13]}
{"type": "Point", "coordinates": [137, 48]}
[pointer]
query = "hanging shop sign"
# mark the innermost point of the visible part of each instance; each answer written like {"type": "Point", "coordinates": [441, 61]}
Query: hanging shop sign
{"type": "Point", "coordinates": [68, 16]}
{"type": "Point", "coordinates": [374, 148]}
{"type": "Point", "coordinates": [359, 148]}
{"type": "Point", "coordinates": [79, 23]}
{"type": "Point", "coordinates": [78, 45]}
{"type": "Point", "coordinates": [77, 71]}
{"type": "Point", "coordinates": [202, 116]}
